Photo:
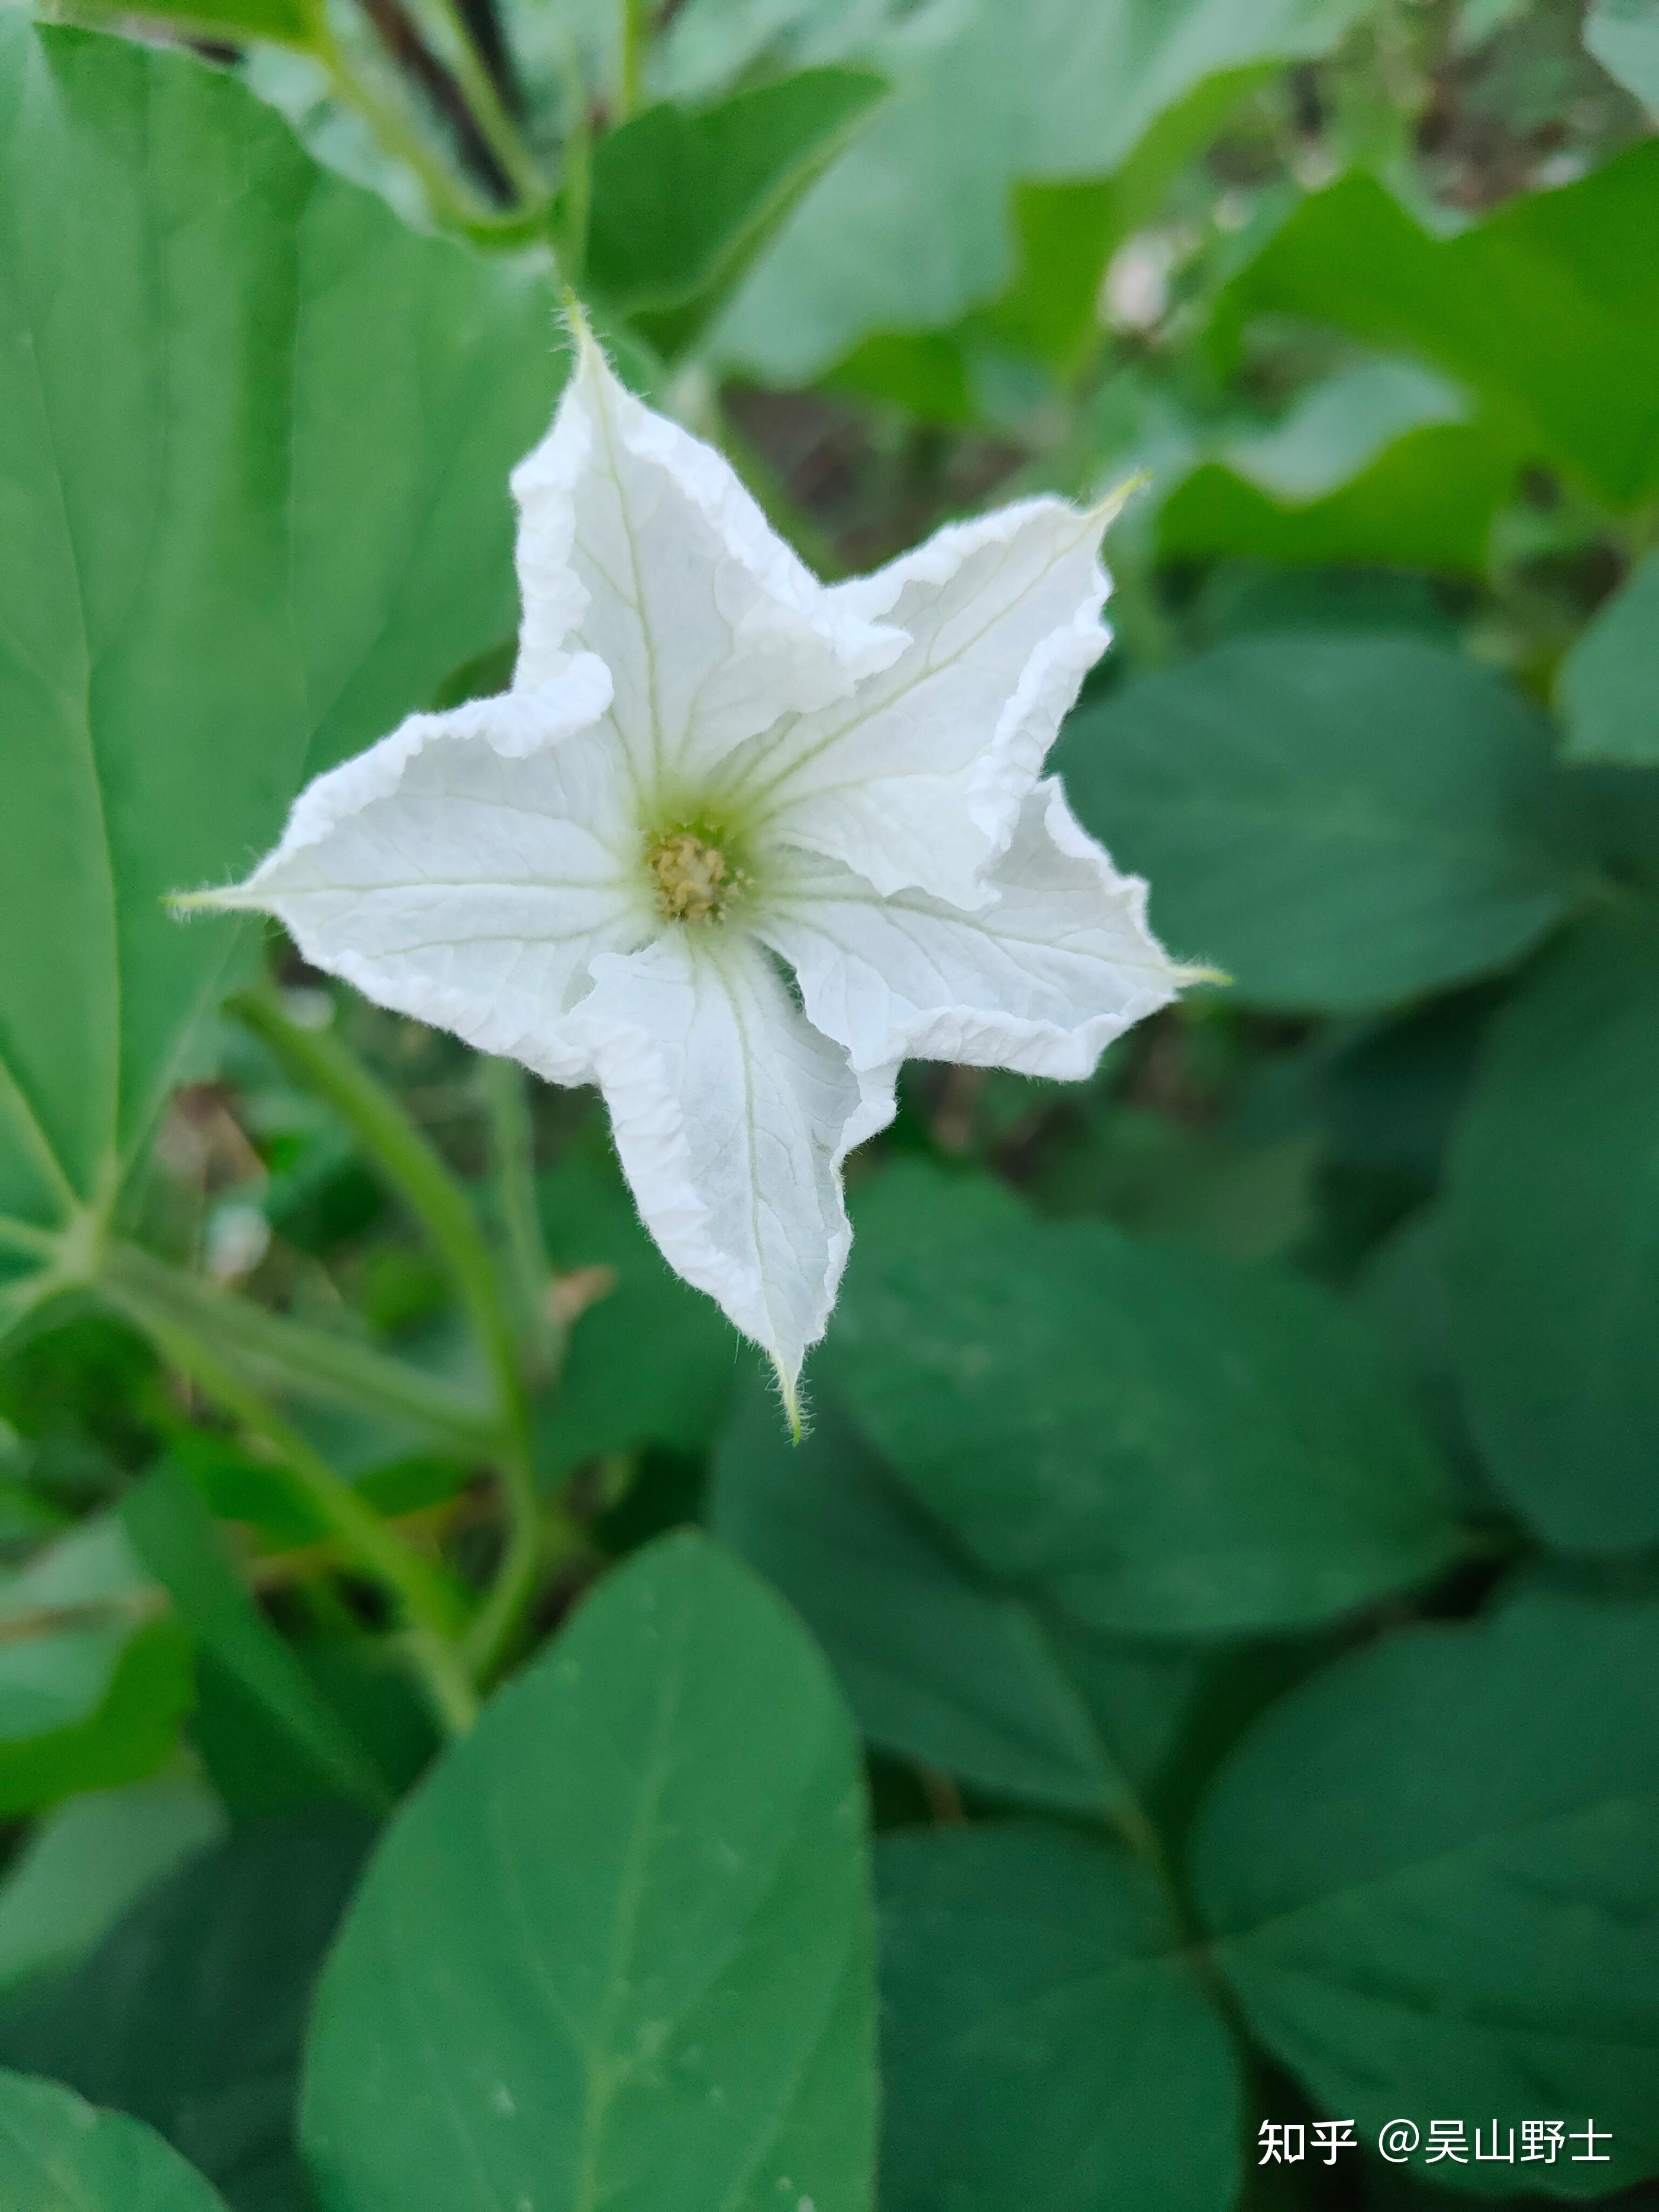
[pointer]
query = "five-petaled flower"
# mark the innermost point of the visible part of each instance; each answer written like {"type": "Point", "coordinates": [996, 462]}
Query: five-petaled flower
{"type": "Point", "coordinates": [736, 843]}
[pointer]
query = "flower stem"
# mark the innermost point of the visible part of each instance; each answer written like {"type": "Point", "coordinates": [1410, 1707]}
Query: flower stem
{"type": "Point", "coordinates": [512, 1147]}
{"type": "Point", "coordinates": [424, 1599]}
{"type": "Point", "coordinates": [576, 194]}
{"type": "Point", "coordinates": [448, 199]}
{"type": "Point", "coordinates": [412, 1165]}
{"type": "Point", "coordinates": [635, 37]}
{"type": "Point", "coordinates": [284, 1354]}
{"type": "Point", "coordinates": [489, 113]}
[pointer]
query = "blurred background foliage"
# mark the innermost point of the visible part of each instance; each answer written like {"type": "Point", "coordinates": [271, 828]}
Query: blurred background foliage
{"type": "Point", "coordinates": [1232, 1505]}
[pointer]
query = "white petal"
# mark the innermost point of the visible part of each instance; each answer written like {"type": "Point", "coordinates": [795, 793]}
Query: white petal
{"type": "Point", "coordinates": [920, 779]}
{"type": "Point", "coordinates": [513, 723]}
{"type": "Point", "coordinates": [637, 542]}
{"type": "Point", "coordinates": [732, 1116]}
{"type": "Point", "coordinates": [1041, 981]}
{"type": "Point", "coordinates": [465, 880]}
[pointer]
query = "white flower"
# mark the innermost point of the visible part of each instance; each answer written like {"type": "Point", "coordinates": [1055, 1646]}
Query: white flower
{"type": "Point", "coordinates": [713, 773]}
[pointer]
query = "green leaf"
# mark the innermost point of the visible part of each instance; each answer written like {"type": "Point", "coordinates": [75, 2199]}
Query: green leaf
{"type": "Point", "coordinates": [88, 1860]}
{"type": "Point", "coordinates": [300, 23]}
{"type": "Point", "coordinates": [1550, 308]}
{"type": "Point", "coordinates": [1057, 89]}
{"type": "Point", "coordinates": [180, 1541]}
{"type": "Point", "coordinates": [1065, 232]}
{"type": "Point", "coordinates": [1608, 687]}
{"type": "Point", "coordinates": [1241, 598]}
{"type": "Point", "coordinates": [1430, 1874]}
{"type": "Point", "coordinates": [1390, 1092]}
{"type": "Point", "coordinates": [608, 1399]}
{"type": "Point", "coordinates": [1622, 805]}
{"type": "Point", "coordinates": [1161, 1442]}
{"type": "Point", "coordinates": [618, 1942]}
{"type": "Point", "coordinates": [133, 1731]}
{"type": "Point", "coordinates": [1337, 822]}
{"type": "Point", "coordinates": [93, 1685]}
{"type": "Point", "coordinates": [939, 1662]}
{"type": "Point", "coordinates": [1334, 429]}
{"type": "Point", "coordinates": [1045, 2040]}
{"type": "Point", "coordinates": [218, 578]}
{"type": "Point", "coordinates": [1376, 465]}
{"type": "Point", "coordinates": [260, 1768]}
{"type": "Point", "coordinates": [1624, 37]}
{"type": "Point", "coordinates": [683, 200]}
{"type": "Point", "coordinates": [190, 2015]}
{"type": "Point", "coordinates": [1155, 1178]}
{"type": "Point", "coordinates": [1553, 1244]}
{"type": "Point", "coordinates": [56, 2154]}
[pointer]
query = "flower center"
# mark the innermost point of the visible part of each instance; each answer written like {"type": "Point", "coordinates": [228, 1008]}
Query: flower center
{"type": "Point", "coordinates": [694, 879]}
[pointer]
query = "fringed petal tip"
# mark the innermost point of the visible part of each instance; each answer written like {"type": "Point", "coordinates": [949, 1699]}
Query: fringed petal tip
{"type": "Point", "coordinates": [231, 899]}
{"type": "Point", "coordinates": [1111, 503]}
{"type": "Point", "coordinates": [789, 1391]}
{"type": "Point", "coordinates": [1184, 974]}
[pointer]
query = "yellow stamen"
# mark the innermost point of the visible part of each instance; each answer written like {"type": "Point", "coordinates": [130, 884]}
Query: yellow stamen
{"type": "Point", "coordinates": [694, 880]}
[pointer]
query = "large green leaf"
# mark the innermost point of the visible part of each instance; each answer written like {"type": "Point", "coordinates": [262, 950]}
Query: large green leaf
{"type": "Point", "coordinates": [1553, 1244]}
{"type": "Point", "coordinates": [1550, 308]}
{"type": "Point", "coordinates": [1045, 2041]}
{"type": "Point", "coordinates": [617, 1945]}
{"type": "Point", "coordinates": [1056, 89]}
{"type": "Point", "coordinates": [682, 200]}
{"type": "Point", "coordinates": [939, 1662]}
{"type": "Point", "coordinates": [56, 2154]}
{"type": "Point", "coordinates": [1160, 1442]}
{"type": "Point", "coordinates": [1608, 687]}
{"type": "Point", "coordinates": [254, 437]}
{"type": "Point", "coordinates": [1432, 1874]}
{"type": "Point", "coordinates": [190, 2013]}
{"type": "Point", "coordinates": [1336, 821]}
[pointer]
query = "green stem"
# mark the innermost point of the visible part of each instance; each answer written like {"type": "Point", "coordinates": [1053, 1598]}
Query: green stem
{"type": "Point", "coordinates": [489, 1640]}
{"type": "Point", "coordinates": [412, 1166]}
{"type": "Point", "coordinates": [537, 1537]}
{"type": "Point", "coordinates": [24, 1237]}
{"type": "Point", "coordinates": [636, 38]}
{"type": "Point", "coordinates": [576, 193]}
{"type": "Point", "coordinates": [511, 1142]}
{"type": "Point", "coordinates": [423, 1598]}
{"type": "Point", "coordinates": [315, 1361]}
{"type": "Point", "coordinates": [488, 111]}
{"type": "Point", "coordinates": [448, 199]}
